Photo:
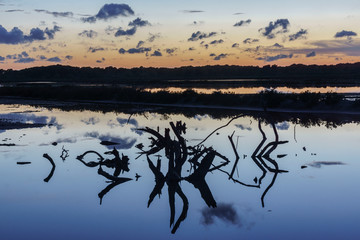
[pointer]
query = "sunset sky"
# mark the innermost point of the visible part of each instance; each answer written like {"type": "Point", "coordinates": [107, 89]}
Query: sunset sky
{"type": "Point", "coordinates": [100, 33]}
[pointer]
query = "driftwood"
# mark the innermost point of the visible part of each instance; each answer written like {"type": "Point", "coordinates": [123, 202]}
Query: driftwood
{"type": "Point", "coordinates": [47, 179]}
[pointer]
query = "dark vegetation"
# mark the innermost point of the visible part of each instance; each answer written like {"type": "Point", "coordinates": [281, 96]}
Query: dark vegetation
{"type": "Point", "coordinates": [294, 74]}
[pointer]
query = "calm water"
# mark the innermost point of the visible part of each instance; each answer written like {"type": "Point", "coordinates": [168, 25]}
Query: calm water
{"type": "Point", "coordinates": [61, 178]}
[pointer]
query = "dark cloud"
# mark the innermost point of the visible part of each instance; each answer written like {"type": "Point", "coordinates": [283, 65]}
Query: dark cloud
{"type": "Point", "coordinates": [88, 33]}
{"type": "Point", "coordinates": [18, 56]}
{"type": "Point", "coordinates": [320, 164]}
{"type": "Point", "coordinates": [216, 42]}
{"type": "Point", "coordinates": [275, 58]}
{"type": "Point", "coordinates": [345, 33]}
{"type": "Point", "coordinates": [55, 14]}
{"type": "Point", "coordinates": [134, 50]}
{"type": "Point", "coordinates": [124, 143]}
{"type": "Point", "coordinates": [68, 57]}
{"type": "Point", "coordinates": [191, 49]}
{"type": "Point", "coordinates": [138, 22]}
{"type": "Point", "coordinates": [170, 51]}
{"type": "Point", "coordinates": [212, 55]}
{"type": "Point", "coordinates": [282, 126]}
{"type": "Point", "coordinates": [24, 54]}
{"type": "Point", "coordinates": [16, 36]}
{"type": "Point", "coordinates": [51, 32]}
{"type": "Point", "coordinates": [128, 32]}
{"type": "Point", "coordinates": [235, 45]}
{"type": "Point", "coordinates": [156, 53]}
{"type": "Point", "coordinates": [250, 40]}
{"type": "Point", "coordinates": [42, 57]}
{"type": "Point", "coordinates": [14, 10]}
{"type": "Point", "coordinates": [242, 127]}
{"type": "Point", "coordinates": [276, 45]}
{"type": "Point", "coordinates": [25, 60]}
{"type": "Point", "coordinates": [96, 49]}
{"type": "Point", "coordinates": [125, 121]}
{"type": "Point", "coordinates": [224, 212]}
{"type": "Point", "coordinates": [192, 11]}
{"type": "Point", "coordinates": [299, 35]}
{"type": "Point", "coordinates": [2, 59]}
{"type": "Point", "coordinates": [54, 59]}
{"type": "Point", "coordinates": [242, 23]}
{"type": "Point", "coordinates": [101, 61]}
{"type": "Point", "coordinates": [200, 35]}
{"type": "Point", "coordinates": [221, 56]}
{"type": "Point", "coordinates": [312, 54]}
{"type": "Point", "coordinates": [140, 44]}
{"type": "Point", "coordinates": [109, 11]}
{"type": "Point", "coordinates": [274, 28]}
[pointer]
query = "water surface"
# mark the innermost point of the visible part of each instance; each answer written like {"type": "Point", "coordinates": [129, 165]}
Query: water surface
{"type": "Point", "coordinates": [192, 176]}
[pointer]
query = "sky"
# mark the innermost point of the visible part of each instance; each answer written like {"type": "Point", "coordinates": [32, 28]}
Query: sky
{"type": "Point", "coordinates": [100, 33]}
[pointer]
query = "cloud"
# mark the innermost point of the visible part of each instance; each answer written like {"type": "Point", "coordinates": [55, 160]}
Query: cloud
{"type": "Point", "coordinates": [88, 33]}
{"type": "Point", "coordinates": [250, 40]}
{"type": "Point", "coordinates": [25, 60]}
{"type": "Point", "coordinates": [320, 164]}
{"type": "Point", "coordinates": [200, 35]}
{"type": "Point", "coordinates": [242, 127]}
{"type": "Point", "coordinates": [140, 44]}
{"type": "Point", "coordinates": [276, 45]}
{"type": "Point", "coordinates": [134, 50]}
{"type": "Point", "coordinates": [299, 35]}
{"type": "Point", "coordinates": [197, 23]}
{"type": "Point", "coordinates": [238, 13]}
{"type": "Point", "coordinates": [55, 14]}
{"type": "Point", "coordinates": [42, 57]}
{"type": "Point", "coordinates": [124, 143]}
{"type": "Point", "coordinates": [274, 28]}
{"type": "Point", "coordinates": [282, 126]}
{"type": "Point", "coordinates": [153, 37]}
{"type": "Point", "coordinates": [18, 56]}
{"type": "Point", "coordinates": [68, 57]}
{"type": "Point", "coordinates": [216, 42]}
{"type": "Point", "coordinates": [101, 61]}
{"type": "Point", "coordinates": [170, 51]}
{"type": "Point", "coordinates": [312, 54]}
{"type": "Point", "coordinates": [242, 23]}
{"type": "Point", "coordinates": [345, 33]}
{"type": "Point", "coordinates": [224, 212]}
{"type": "Point", "coordinates": [16, 36]}
{"type": "Point", "coordinates": [275, 58]}
{"type": "Point", "coordinates": [95, 49]}
{"type": "Point", "coordinates": [191, 49]}
{"type": "Point", "coordinates": [124, 122]}
{"type": "Point", "coordinates": [235, 45]}
{"type": "Point", "coordinates": [54, 59]}
{"type": "Point", "coordinates": [128, 32]}
{"type": "Point", "coordinates": [110, 11]}
{"type": "Point", "coordinates": [138, 22]}
{"type": "Point", "coordinates": [91, 121]}
{"type": "Point", "coordinates": [2, 59]}
{"type": "Point", "coordinates": [14, 10]}
{"type": "Point", "coordinates": [192, 11]}
{"type": "Point", "coordinates": [221, 56]}
{"type": "Point", "coordinates": [156, 53]}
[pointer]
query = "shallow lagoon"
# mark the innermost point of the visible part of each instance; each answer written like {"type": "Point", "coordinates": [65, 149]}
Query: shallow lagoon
{"type": "Point", "coordinates": [315, 196]}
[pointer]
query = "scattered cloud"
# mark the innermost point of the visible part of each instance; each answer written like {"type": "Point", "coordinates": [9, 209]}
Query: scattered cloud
{"type": "Point", "coordinates": [221, 56]}
{"type": "Point", "coordinates": [2, 59]}
{"type": "Point", "coordinates": [110, 11]}
{"type": "Point", "coordinates": [192, 11]}
{"type": "Point", "coordinates": [225, 212]}
{"type": "Point", "coordinates": [216, 42]}
{"type": "Point", "coordinates": [250, 40]}
{"type": "Point", "coordinates": [238, 13]}
{"type": "Point", "coordinates": [274, 28]}
{"type": "Point", "coordinates": [96, 49]}
{"type": "Point", "coordinates": [282, 126]}
{"type": "Point", "coordinates": [170, 51]}
{"type": "Point", "coordinates": [235, 45]}
{"type": "Point", "coordinates": [88, 33]}
{"type": "Point", "coordinates": [312, 54]}
{"type": "Point", "coordinates": [134, 50]}
{"type": "Point", "coordinates": [25, 60]}
{"type": "Point", "coordinates": [242, 127]}
{"type": "Point", "coordinates": [140, 44]}
{"type": "Point", "coordinates": [242, 23]}
{"type": "Point", "coordinates": [344, 33]}
{"type": "Point", "coordinates": [274, 58]}
{"type": "Point", "coordinates": [276, 45]}
{"type": "Point", "coordinates": [128, 32]}
{"type": "Point", "coordinates": [320, 164]}
{"type": "Point", "coordinates": [101, 61]}
{"type": "Point", "coordinates": [91, 121]}
{"type": "Point", "coordinates": [16, 36]}
{"type": "Point", "coordinates": [55, 14]}
{"type": "Point", "coordinates": [138, 22]}
{"type": "Point", "coordinates": [153, 37]}
{"type": "Point", "coordinates": [156, 53]}
{"type": "Point", "coordinates": [196, 23]}
{"type": "Point", "coordinates": [200, 35]}
{"type": "Point", "coordinates": [14, 10]}
{"type": "Point", "coordinates": [299, 35]}
{"type": "Point", "coordinates": [54, 59]}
